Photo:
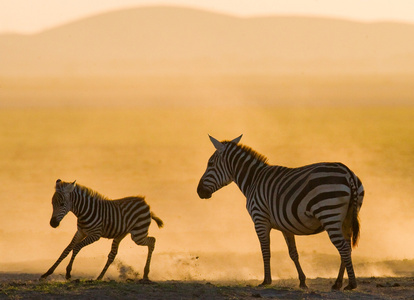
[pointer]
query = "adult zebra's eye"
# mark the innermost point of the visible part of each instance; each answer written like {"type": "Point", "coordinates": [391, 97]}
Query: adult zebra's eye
{"type": "Point", "coordinates": [210, 163]}
{"type": "Point", "coordinates": [62, 204]}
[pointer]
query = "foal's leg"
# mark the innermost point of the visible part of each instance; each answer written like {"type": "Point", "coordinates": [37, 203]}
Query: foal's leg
{"type": "Point", "coordinates": [293, 253]}
{"type": "Point", "coordinates": [76, 239]}
{"type": "Point", "coordinates": [111, 255]}
{"type": "Point", "coordinates": [150, 242]}
{"type": "Point", "coordinates": [88, 240]}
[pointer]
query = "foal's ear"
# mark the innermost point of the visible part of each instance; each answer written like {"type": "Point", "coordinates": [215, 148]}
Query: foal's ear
{"type": "Point", "coordinates": [219, 146]}
{"type": "Point", "coordinates": [70, 187]}
{"type": "Point", "coordinates": [58, 183]}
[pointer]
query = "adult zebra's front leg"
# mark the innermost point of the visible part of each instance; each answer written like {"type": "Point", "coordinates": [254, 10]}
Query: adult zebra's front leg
{"type": "Point", "coordinates": [75, 240]}
{"type": "Point", "coordinates": [86, 241]}
{"type": "Point", "coordinates": [263, 233]}
{"type": "Point", "coordinates": [293, 253]}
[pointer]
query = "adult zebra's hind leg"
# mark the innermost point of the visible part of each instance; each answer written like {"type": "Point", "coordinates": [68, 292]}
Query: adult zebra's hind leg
{"type": "Point", "coordinates": [293, 253]}
{"type": "Point", "coordinates": [338, 283]}
{"type": "Point", "coordinates": [344, 248]}
{"type": "Point", "coordinates": [111, 255]}
{"type": "Point", "coordinates": [346, 230]}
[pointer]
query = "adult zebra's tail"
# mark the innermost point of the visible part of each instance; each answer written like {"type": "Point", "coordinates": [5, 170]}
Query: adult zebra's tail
{"type": "Point", "coordinates": [355, 209]}
{"type": "Point", "coordinates": [160, 223]}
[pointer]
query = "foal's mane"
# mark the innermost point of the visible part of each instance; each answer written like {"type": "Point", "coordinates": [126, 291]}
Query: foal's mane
{"type": "Point", "coordinates": [256, 155]}
{"type": "Point", "coordinates": [90, 192]}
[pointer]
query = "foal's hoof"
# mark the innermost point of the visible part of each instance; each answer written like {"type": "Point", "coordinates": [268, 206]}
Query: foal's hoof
{"type": "Point", "coordinates": [145, 281]}
{"type": "Point", "coordinates": [43, 277]}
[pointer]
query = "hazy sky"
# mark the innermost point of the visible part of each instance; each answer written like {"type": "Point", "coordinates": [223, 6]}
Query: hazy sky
{"type": "Point", "coordinates": [28, 16]}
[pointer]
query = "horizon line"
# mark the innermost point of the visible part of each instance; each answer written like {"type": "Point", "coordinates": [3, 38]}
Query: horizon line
{"type": "Point", "coordinates": [45, 28]}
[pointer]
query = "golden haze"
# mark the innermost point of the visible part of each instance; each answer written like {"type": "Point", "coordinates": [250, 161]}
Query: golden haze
{"type": "Point", "coordinates": [162, 152]}
{"type": "Point", "coordinates": [131, 116]}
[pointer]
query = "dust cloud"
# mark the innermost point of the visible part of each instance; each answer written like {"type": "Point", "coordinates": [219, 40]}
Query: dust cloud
{"type": "Point", "coordinates": [132, 117]}
{"type": "Point", "coordinates": [162, 153]}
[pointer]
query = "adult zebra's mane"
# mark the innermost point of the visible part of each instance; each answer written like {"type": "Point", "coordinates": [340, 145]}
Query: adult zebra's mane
{"type": "Point", "coordinates": [90, 192]}
{"type": "Point", "coordinates": [256, 155]}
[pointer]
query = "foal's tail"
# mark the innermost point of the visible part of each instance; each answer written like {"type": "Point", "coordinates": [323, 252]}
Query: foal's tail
{"type": "Point", "coordinates": [160, 223]}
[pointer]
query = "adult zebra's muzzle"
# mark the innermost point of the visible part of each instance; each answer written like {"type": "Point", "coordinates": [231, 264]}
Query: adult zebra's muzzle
{"type": "Point", "coordinates": [203, 192]}
{"type": "Point", "coordinates": [54, 222]}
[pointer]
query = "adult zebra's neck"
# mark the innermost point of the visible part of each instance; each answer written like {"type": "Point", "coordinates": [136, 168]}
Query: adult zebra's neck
{"type": "Point", "coordinates": [244, 164]}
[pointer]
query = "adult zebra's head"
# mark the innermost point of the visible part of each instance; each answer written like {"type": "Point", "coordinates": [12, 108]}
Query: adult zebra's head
{"type": "Point", "coordinates": [61, 201]}
{"type": "Point", "coordinates": [217, 174]}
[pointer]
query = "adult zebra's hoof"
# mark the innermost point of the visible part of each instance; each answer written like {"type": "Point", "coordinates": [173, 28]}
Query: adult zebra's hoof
{"type": "Point", "coordinates": [303, 286]}
{"type": "Point", "coordinates": [265, 283]}
{"type": "Point", "coordinates": [350, 286]}
{"type": "Point", "coordinates": [145, 281]}
{"type": "Point", "coordinates": [337, 286]}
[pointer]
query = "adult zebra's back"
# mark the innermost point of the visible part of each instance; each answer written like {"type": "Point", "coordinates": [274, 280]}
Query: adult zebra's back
{"type": "Point", "coordinates": [297, 201]}
{"type": "Point", "coordinates": [100, 217]}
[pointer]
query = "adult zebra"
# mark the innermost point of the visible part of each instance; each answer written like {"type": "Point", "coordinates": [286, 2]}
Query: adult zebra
{"type": "Point", "coordinates": [99, 217]}
{"type": "Point", "coordinates": [296, 201]}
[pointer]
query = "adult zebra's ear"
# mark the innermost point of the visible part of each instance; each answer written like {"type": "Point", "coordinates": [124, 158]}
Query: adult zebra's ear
{"type": "Point", "coordinates": [219, 146]}
{"type": "Point", "coordinates": [237, 140]}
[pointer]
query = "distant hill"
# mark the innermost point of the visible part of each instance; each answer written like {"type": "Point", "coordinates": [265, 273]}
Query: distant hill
{"type": "Point", "coordinates": [169, 40]}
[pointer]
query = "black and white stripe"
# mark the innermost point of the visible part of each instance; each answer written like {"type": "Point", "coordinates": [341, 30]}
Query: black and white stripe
{"type": "Point", "coordinates": [296, 201]}
{"type": "Point", "coordinates": [99, 217]}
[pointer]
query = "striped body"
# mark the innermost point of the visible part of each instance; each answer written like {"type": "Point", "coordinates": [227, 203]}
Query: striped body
{"type": "Point", "coordinates": [300, 200]}
{"type": "Point", "coordinates": [100, 217]}
{"type": "Point", "coordinates": [297, 201]}
{"type": "Point", "coordinates": [111, 218]}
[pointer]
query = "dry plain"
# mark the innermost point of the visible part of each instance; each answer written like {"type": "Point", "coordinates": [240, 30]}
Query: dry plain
{"type": "Point", "coordinates": [208, 249]}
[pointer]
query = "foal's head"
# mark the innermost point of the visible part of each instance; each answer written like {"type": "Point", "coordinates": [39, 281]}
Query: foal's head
{"type": "Point", "coordinates": [61, 201]}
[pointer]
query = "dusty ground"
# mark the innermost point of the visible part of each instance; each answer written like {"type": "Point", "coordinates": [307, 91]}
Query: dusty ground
{"type": "Point", "coordinates": [27, 286]}
{"type": "Point", "coordinates": [155, 152]}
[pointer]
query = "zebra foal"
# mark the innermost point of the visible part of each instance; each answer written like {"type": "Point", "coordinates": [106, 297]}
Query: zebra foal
{"type": "Point", "coordinates": [100, 217]}
{"type": "Point", "coordinates": [297, 201]}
